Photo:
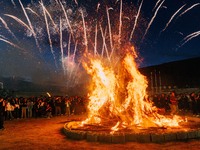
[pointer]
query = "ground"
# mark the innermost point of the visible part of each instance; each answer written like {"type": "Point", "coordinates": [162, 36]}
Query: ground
{"type": "Point", "coordinates": [43, 133]}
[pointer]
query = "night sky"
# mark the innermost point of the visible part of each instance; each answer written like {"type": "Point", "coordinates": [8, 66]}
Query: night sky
{"type": "Point", "coordinates": [162, 42]}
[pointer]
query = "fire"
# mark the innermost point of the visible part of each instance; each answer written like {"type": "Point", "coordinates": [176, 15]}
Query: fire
{"type": "Point", "coordinates": [118, 96]}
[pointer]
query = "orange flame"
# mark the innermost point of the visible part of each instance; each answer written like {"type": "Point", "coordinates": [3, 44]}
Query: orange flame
{"type": "Point", "coordinates": [118, 97]}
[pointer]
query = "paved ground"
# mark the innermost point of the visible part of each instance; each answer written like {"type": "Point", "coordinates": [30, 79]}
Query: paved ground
{"type": "Point", "coordinates": [42, 134]}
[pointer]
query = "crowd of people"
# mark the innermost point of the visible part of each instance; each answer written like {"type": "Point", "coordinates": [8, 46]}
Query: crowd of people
{"type": "Point", "coordinates": [174, 103]}
{"type": "Point", "coordinates": [35, 107]}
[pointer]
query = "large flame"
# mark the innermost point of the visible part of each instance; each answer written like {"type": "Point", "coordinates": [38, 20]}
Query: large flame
{"type": "Point", "coordinates": [118, 96]}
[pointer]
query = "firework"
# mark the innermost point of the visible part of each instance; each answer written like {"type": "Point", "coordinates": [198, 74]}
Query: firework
{"type": "Point", "coordinates": [189, 37]}
{"type": "Point", "coordinates": [30, 24]}
{"type": "Point", "coordinates": [6, 26]}
{"type": "Point", "coordinates": [110, 31]}
{"type": "Point", "coordinates": [152, 19]}
{"type": "Point", "coordinates": [10, 43]}
{"type": "Point", "coordinates": [189, 9]}
{"type": "Point", "coordinates": [136, 19]}
{"type": "Point", "coordinates": [74, 30]}
{"type": "Point", "coordinates": [173, 17]}
{"type": "Point", "coordinates": [32, 11]}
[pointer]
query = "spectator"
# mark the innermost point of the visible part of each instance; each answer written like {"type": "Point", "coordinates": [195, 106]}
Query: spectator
{"type": "Point", "coordinates": [30, 108]}
{"type": "Point", "coordinates": [17, 109]}
{"type": "Point", "coordinates": [63, 106]}
{"type": "Point", "coordinates": [198, 104]}
{"type": "Point", "coordinates": [9, 109]}
{"type": "Point", "coordinates": [194, 103]}
{"type": "Point", "coordinates": [2, 109]}
{"type": "Point", "coordinates": [48, 111]}
{"type": "Point", "coordinates": [23, 106]}
{"type": "Point", "coordinates": [174, 103]}
{"type": "Point", "coordinates": [58, 106]}
{"type": "Point", "coordinates": [67, 103]}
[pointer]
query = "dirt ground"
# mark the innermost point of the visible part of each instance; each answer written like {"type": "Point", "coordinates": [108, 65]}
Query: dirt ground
{"type": "Point", "coordinates": [43, 133]}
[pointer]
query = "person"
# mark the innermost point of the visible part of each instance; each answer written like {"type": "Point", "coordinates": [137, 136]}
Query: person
{"type": "Point", "coordinates": [17, 108]}
{"type": "Point", "coordinates": [23, 108]}
{"type": "Point", "coordinates": [63, 106]}
{"type": "Point", "coordinates": [48, 111]}
{"type": "Point", "coordinates": [2, 109]}
{"type": "Point", "coordinates": [58, 106]}
{"type": "Point", "coordinates": [9, 109]}
{"type": "Point", "coordinates": [198, 105]}
{"type": "Point", "coordinates": [174, 103]}
{"type": "Point", "coordinates": [193, 98]}
{"type": "Point", "coordinates": [67, 103]}
{"type": "Point", "coordinates": [30, 108]}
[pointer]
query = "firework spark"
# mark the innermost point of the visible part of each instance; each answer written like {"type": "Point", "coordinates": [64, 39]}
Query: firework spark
{"type": "Point", "coordinates": [48, 33]}
{"type": "Point", "coordinates": [19, 21]}
{"type": "Point", "coordinates": [136, 19]}
{"type": "Point", "coordinates": [95, 39]}
{"type": "Point", "coordinates": [104, 42]}
{"type": "Point", "coordinates": [152, 19]}
{"type": "Point", "coordinates": [98, 6]}
{"type": "Point", "coordinates": [189, 37]}
{"type": "Point", "coordinates": [50, 17]}
{"type": "Point", "coordinates": [110, 31]}
{"type": "Point", "coordinates": [172, 17]}
{"type": "Point", "coordinates": [156, 5]}
{"type": "Point", "coordinates": [6, 26]}
{"type": "Point", "coordinates": [76, 2]}
{"type": "Point", "coordinates": [61, 46]}
{"type": "Point", "coordinates": [67, 19]}
{"type": "Point", "coordinates": [120, 22]}
{"type": "Point", "coordinates": [85, 32]}
{"type": "Point", "coordinates": [10, 43]}
{"type": "Point", "coordinates": [69, 44]}
{"type": "Point", "coordinates": [13, 3]}
{"type": "Point", "coordinates": [32, 11]}
{"type": "Point", "coordinates": [188, 9]}
{"type": "Point", "coordinates": [30, 24]}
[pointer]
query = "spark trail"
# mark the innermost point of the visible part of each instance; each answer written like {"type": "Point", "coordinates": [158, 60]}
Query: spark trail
{"type": "Point", "coordinates": [10, 43]}
{"type": "Point", "coordinates": [56, 1]}
{"type": "Point", "coordinates": [32, 11]}
{"type": "Point", "coordinates": [61, 46]}
{"type": "Point", "coordinates": [85, 32]}
{"type": "Point", "coordinates": [172, 17]}
{"type": "Point", "coordinates": [48, 33]}
{"type": "Point", "coordinates": [30, 25]}
{"type": "Point", "coordinates": [76, 2]}
{"type": "Point", "coordinates": [156, 5]}
{"type": "Point", "coordinates": [3, 36]}
{"type": "Point", "coordinates": [75, 49]}
{"type": "Point", "coordinates": [95, 39]}
{"type": "Point", "coordinates": [136, 19]}
{"type": "Point", "coordinates": [104, 43]}
{"type": "Point", "coordinates": [69, 44]}
{"type": "Point", "coordinates": [110, 31]}
{"type": "Point", "coordinates": [6, 26]}
{"type": "Point", "coordinates": [152, 19]}
{"type": "Point", "coordinates": [98, 6]}
{"type": "Point", "coordinates": [47, 12]}
{"type": "Point", "coordinates": [189, 37]}
{"type": "Point", "coordinates": [66, 17]}
{"type": "Point", "coordinates": [19, 21]}
{"type": "Point", "coordinates": [188, 9]}
{"type": "Point", "coordinates": [120, 22]}
{"type": "Point", "coordinates": [13, 3]}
